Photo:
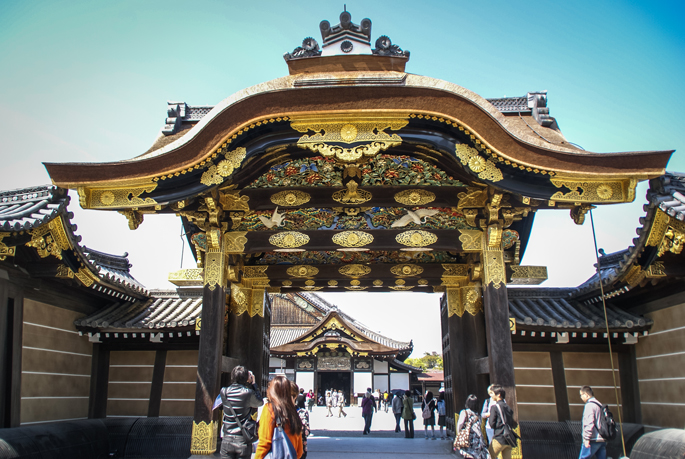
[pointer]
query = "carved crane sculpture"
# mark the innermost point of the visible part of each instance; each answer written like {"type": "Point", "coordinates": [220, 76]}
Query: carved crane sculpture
{"type": "Point", "coordinates": [415, 216]}
{"type": "Point", "coordinates": [275, 220]}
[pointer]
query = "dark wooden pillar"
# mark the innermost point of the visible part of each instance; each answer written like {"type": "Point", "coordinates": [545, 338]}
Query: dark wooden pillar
{"type": "Point", "coordinates": [157, 384]}
{"type": "Point", "coordinates": [205, 423]}
{"type": "Point", "coordinates": [99, 382]}
{"type": "Point", "coordinates": [496, 305]}
{"type": "Point", "coordinates": [560, 389]}
{"type": "Point", "coordinates": [11, 330]}
{"type": "Point", "coordinates": [255, 340]}
{"type": "Point", "coordinates": [630, 388]}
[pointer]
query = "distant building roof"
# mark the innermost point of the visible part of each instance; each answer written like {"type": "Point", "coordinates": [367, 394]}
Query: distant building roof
{"type": "Point", "coordinates": [432, 376]}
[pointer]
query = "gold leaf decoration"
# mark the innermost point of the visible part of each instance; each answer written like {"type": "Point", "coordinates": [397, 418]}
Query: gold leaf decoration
{"type": "Point", "coordinates": [423, 282]}
{"type": "Point", "coordinates": [456, 270]}
{"type": "Point", "coordinates": [400, 282]}
{"type": "Point", "coordinates": [290, 198]}
{"type": "Point", "coordinates": [302, 271]}
{"type": "Point", "coordinates": [5, 250]}
{"type": "Point", "coordinates": [352, 239]}
{"type": "Point", "coordinates": [185, 277]}
{"type": "Point", "coordinates": [472, 299]}
{"type": "Point", "coordinates": [471, 240]}
{"type": "Point", "coordinates": [485, 169]}
{"type": "Point", "coordinates": [378, 283]}
{"type": "Point", "coordinates": [333, 283]}
{"type": "Point", "coordinates": [289, 239]}
{"type": "Point", "coordinates": [214, 268]}
{"type": "Point", "coordinates": [401, 288]}
{"type": "Point", "coordinates": [354, 270]}
{"type": "Point", "coordinates": [406, 270]}
{"type": "Point", "coordinates": [216, 174]}
{"type": "Point", "coordinates": [590, 191]}
{"type": "Point", "coordinates": [125, 197]}
{"type": "Point", "coordinates": [203, 438]}
{"type": "Point", "coordinates": [234, 242]}
{"type": "Point", "coordinates": [355, 282]}
{"type": "Point", "coordinates": [415, 197]}
{"type": "Point", "coordinates": [254, 271]}
{"type": "Point", "coordinates": [309, 283]}
{"type": "Point", "coordinates": [455, 307]}
{"type": "Point", "coordinates": [416, 238]}
{"type": "Point", "coordinates": [287, 283]}
{"type": "Point", "coordinates": [352, 195]}
{"type": "Point", "coordinates": [232, 200]}
{"type": "Point", "coordinates": [494, 268]}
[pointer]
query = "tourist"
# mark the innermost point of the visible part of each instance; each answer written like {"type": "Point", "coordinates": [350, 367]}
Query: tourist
{"type": "Point", "coordinates": [500, 414]}
{"type": "Point", "coordinates": [304, 417]}
{"type": "Point", "coordinates": [280, 406]}
{"type": "Point", "coordinates": [341, 404]}
{"type": "Point", "coordinates": [244, 397]}
{"type": "Point", "coordinates": [368, 407]}
{"type": "Point", "coordinates": [485, 413]}
{"type": "Point", "coordinates": [442, 415]}
{"type": "Point", "coordinates": [329, 403]}
{"type": "Point", "coordinates": [428, 412]}
{"type": "Point", "coordinates": [385, 401]}
{"type": "Point", "coordinates": [469, 419]}
{"type": "Point", "coordinates": [378, 399]}
{"type": "Point", "coordinates": [397, 411]}
{"type": "Point", "coordinates": [408, 415]}
{"type": "Point", "coordinates": [593, 443]}
{"type": "Point", "coordinates": [311, 400]}
{"type": "Point", "coordinates": [301, 398]}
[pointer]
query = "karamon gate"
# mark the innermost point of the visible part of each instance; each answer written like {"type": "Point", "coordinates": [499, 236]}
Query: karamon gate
{"type": "Point", "coordinates": [351, 175]}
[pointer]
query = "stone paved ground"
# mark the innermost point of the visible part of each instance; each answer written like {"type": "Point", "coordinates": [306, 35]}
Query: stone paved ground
{"type": "Point", "coordinates": [335, 437]}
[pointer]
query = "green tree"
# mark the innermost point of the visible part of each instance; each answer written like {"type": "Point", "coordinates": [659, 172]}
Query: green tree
{"type": "Point", "coordinates": [429, 361]}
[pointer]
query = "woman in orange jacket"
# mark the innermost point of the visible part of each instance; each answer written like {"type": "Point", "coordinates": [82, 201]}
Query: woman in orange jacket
{"type": "Point", "coordinates": [280, 406]}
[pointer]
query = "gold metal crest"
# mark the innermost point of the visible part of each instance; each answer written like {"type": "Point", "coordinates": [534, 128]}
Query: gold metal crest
{"type": "Point", "coordinates": [290, 198]}
{"type": "Point", "coordinates": [288, 239]}
{"type": "Point", "coordinates": [415, 197]}
{"type": "Point", "coordinates": [354, 270]}
{"type": "Point", "coordinates": [353, 239]}
{"type": "Point", "coordinates": [416, 238]}
{"type": "Point", "coordinates": [406, 270]}
{"type": "Point", "coordinates": [302, 271]}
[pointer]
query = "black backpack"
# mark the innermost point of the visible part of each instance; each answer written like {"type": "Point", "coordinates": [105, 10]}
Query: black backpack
{"type": "Point", "coordinates": [606, 425]}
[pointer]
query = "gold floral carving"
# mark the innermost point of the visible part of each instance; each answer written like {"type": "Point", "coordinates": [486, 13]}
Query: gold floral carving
{"type": "Point", "coordinates": [354, 270]}
{"type": "Point", "coordinates": [287, 283]}
{"type": "Point", "coordinates": [423, 282]}
{"type": "Point", "coordinates": [50, 239]}
{"type": "Point", "coordinates": [590, 191]}
{"type": "Point", "coordinates": [528, 275]}
{"type": "Point", "coordinates": [352, 239]}
{"type": "Point", "coordinates": [472, 197]}
{"type": "Point", "coordinates": [415, 197]}
{"type": "Point", "coordinates": [240, 298]}
{"type": "Point", "coordinates": [352, 195]}
{"type": "Point", "coordinates": [126, 197]}
{"type": "Point", "coordinates": [333, 283]}
{"type": "Point", "coordinates": [416, 238]}
{"type": "Point", "coordinates": [348, 129]}
{"type": "Point", "coordinates": [232, 200]}
{"type": "Point", "coordinates": [302, 271]}
{"type": "Point", "coordinates": [485, 169]}
{"type": "Point", "coordinates": [517, 451]}
{"type": "Point", "coordinates": [203, 438]}
{"type": "Point", "coordinates": [401, 288]}
{"type": "Point", "coordinates": [234, 242]}
{"type": "Point", "coordinates": [455, 270]}
{"type": "Point", "coordinates": [214, 268]}
{"type": "Point", "coordinates": [257, 308]}
{"type": "Point", "coordinates": [5, 250]}
{"type": "Point", "coordinates": [659, 227]}
{"type": "Point", "coordinates": [656, 270]}
{"type": "Point", "coordinates": [86, 277]}
{"type": "Point", "coordinates": [355, 282]}
{"type": "Point", "coordinates": [290, 198]}
{"type": "Point", "coordinates": [355, 289]}
{"type": "Point", "coordinates": [288, 239]}
{"type": "Point", "coordinates": [472, 299]}
{"type": "Point", "coordinates": [406, 270]}
{"type": "Point", "coordinates": [471, 240]}
{"type": "Point", "coordinates": [378, 283]}
{"type": "Point", "coordinates": [216, 174]}
{"type": "Point", "coordinates": [186, 277]}
{"type": "Point", "coordinates": [635, 276]}
{"type": "Point", "coordinates": [672, 242]}
{"type": "Point", "coordinates": [135, 218]}
{"type": "Point", "coordinates": [310, 288]}
{"type": "Point", "coordinates": [494, 268]}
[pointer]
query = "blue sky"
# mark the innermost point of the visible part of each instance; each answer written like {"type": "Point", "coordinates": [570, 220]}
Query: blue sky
{"type": "Point", "coordinates": [88, 81]}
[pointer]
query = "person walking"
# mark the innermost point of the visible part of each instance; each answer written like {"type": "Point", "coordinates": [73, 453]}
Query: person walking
{"type": "Point", "coordinates": [485, 414]}
{"type": "Point", "coordinates": [304, 417]}
{"type": "Point", "coordinates": [282, 409]}
{"type": "Point", "coordinates": [397, 411]}
{"type": "Point", "coordinates": [386, 400]}
{"type": "Point", "coordinates": [301, 400]}
{"type": "Point", "coordinates": [442, 416]}
{"type": "Point", "coordinates": [368, 407]}
{"type": "Point", "coordinates": [311, 400]}
{"type": "Point", "coordinates": [408, 415]}
{"type": "Point", "coordinates": [341, 404]}
{"type": "Point", "coordinates": [500, 414]}
{"type": "Point", "coordinates": [379, 397]}
{"type": "Point", "coordinates": [329, 403]}
{"type": "Point", "coordinates": [469, 419]}
{"type": "Point", "coordinates": [593, 443]}
{"type": "Point", "coordinates": [244, 397]}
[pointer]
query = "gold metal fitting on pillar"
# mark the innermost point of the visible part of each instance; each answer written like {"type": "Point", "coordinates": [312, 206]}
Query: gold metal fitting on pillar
{"type": "Point", "coordinates": [493, 258]}
{"type": "Point", "coordinates": [214, 260]}
{"type": "Point", "coordinates": [203, 440]}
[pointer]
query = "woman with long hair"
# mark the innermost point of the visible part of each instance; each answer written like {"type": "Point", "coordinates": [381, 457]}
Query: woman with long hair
{"type": "Point", "coordinates": [279, 408]}
{"type": "Point", "coordinates": [469, 419]}
{"type": "Point", "coordinates": [428, 407]}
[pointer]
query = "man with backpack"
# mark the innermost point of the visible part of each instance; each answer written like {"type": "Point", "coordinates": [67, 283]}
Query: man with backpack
{"type": "Point", "coordinates": [594, 422]}
{"type": "Point", "coordinates": [501, 420]}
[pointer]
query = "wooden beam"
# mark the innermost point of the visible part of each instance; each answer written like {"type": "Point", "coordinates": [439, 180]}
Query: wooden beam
{"type": "Point", "coordinates": [560, 389]}
{"type": "Point", "coordinates": [99, 381]}
{"type": "Point", "coordinates": [157, 385]}
{"type": "Point", "coordinates": [483, 366]}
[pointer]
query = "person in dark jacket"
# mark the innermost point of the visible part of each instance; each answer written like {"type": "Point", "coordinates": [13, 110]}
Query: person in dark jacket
{"type": "Point", "coordinates": [244, 397]}
{"type": "Point", "coordinates": [301, 399]}
{"type": "Point", "coordinates": [368, 407]}
{"type": "Point", "coordinates": [500, 414]}
{"type": "Point", "coordinates": [408, 415]}
{"type": "Point", "coordinates": [429, 404]}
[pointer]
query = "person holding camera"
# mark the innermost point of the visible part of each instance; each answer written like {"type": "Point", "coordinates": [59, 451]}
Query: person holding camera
{"type": "Point", "coordinates": [240, 401]}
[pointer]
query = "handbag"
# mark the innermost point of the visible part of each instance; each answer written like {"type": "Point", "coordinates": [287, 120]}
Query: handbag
{"type": "Point", "coordinates": [510, 437]}
{"type": "Point", "coordinates": [463, 439]}
{"type": "Point", "coordinates": [281, 447]}
{"type": "Point", "coordinates": [249, 430]}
